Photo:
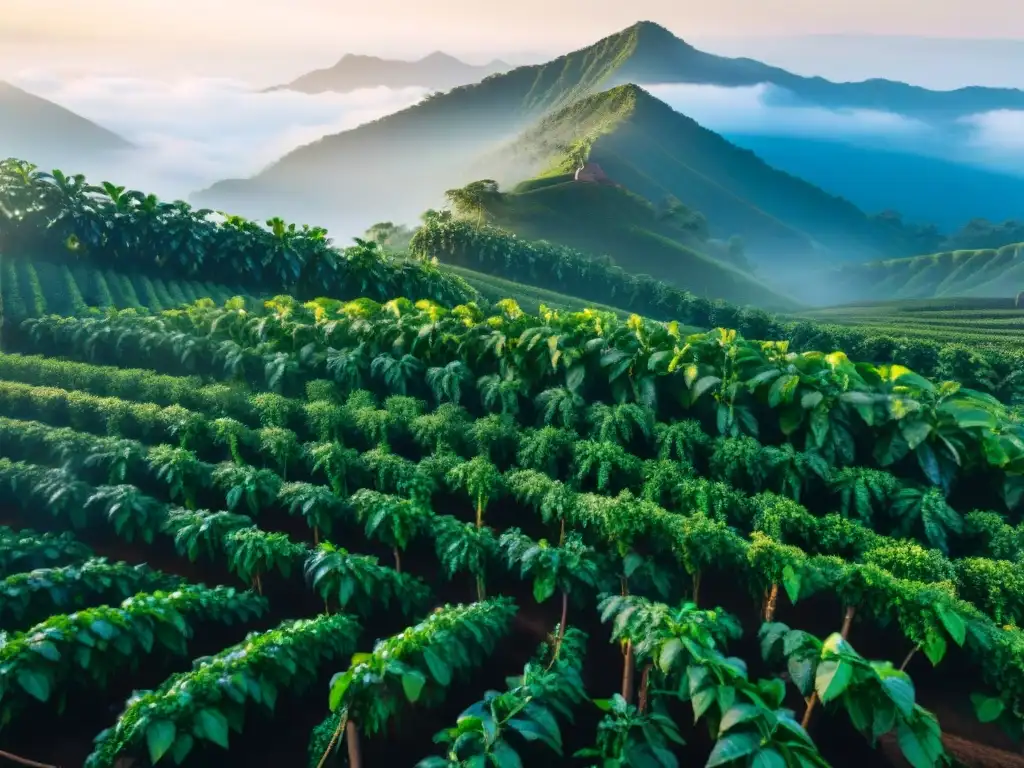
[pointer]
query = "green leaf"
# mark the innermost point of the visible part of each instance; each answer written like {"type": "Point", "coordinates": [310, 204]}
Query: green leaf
{"type": "Point", "coordinates": [915, 431]}
{"type": "Point", "coordinates": [768, 758]}
{"type": "Point", "coordinates": [212, 724]}
{"type": "Point", "coordinates": [702, 701]}
{"type": "Point", "coordinates": [901, 692]}
{"type": "Point", "coordinates": [669, 653]}
{"type": "Point", "coordinates": [832, 678]}
{"type": "Point", "coordinates": [987, 708]}
{"type": "Point", "coordinates": [159, 737]}
{"type": "Point", "coordinates": [412, 683]}
{"type": "Point", "coordinates": [791, 581]}
{"type": "Point", "coordinates": [182, 746]}
{"type": "Point", "coordinates": [543, 587]}
{"type": "Point", "coordinates": [503, 756]}
{"type": "Point", "coordinates": [339, 685]}
{"type": "Point", "coordinates": [36, 684]}
{"type": "Point", "coordinates": [934, 647]}
{"type": "Point", "coordinates": [915, 746]}
{"type": "Point", "coordinates": [438, 667]}
{"type": "Point", "coordinates": [953, 623]}
{"type": "Point", "coordinates": [737, 714]}
{"type": "Point", "coordinates": [733, 747]}
{"type": "Point", "coordinates": [801, 671]}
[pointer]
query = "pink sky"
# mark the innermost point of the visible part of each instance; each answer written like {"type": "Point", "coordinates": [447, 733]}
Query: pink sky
{"type": "Point", "coordinates": [275, 39]}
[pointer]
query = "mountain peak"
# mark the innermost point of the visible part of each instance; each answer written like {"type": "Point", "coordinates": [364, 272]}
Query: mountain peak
{"type": "Point", "coordinates": [654, 35]}
{"type": "Point", "coordinates": [440, 57]}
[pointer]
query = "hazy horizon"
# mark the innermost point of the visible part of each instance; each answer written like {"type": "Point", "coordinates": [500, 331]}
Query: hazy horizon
{"type": "Point", "coordinates": [909, 40]}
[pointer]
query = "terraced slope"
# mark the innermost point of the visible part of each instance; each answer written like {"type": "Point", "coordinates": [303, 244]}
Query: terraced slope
{"type": "Point", "coordinates": [986, 273]}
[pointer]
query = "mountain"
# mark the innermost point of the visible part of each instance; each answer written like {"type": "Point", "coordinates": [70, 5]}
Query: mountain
{"type": "Point", "coordinates": [607, 220]}
{"type": "Point", "coordinates": [979, 273]}
{"type": "Point", "coordinates": [915, 185]}
{"type": "Point", "coordinates": [438, 71]}
{"type": "Point", "coordinates": [393, 168]}
{"type": "Point", "coordinates": [47, 134]}
{"type": "Point", "coordinates": [656, 152]}
{"type": "Point", "coordinates": [655, 55]}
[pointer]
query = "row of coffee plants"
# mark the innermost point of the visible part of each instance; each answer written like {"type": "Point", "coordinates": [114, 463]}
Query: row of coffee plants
{"type": "Point", "coordinates": [64, 219]}
{"type": "Point", "coordinates": [990, 366]}
{"type": "Point", "coordinates": [938, 433]}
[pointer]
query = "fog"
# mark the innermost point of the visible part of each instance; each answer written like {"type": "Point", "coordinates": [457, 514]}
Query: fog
{"type": "Point", "coordinates": [992, 140]}
{"type": "Point", "coordinates": [190, 133]}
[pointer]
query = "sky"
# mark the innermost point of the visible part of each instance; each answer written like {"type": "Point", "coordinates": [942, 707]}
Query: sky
{"type": "Point", "coordinates": [274, 40]}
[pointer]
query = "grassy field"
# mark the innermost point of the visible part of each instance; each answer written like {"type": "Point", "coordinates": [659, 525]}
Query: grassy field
{"type": "Point", "coordinates": [980, 274]}
{"type": "Point", "coordinates": [970, 320]}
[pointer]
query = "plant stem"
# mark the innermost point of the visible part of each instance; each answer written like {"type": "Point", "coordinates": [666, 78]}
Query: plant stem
{"type": "Point", "coordinates": [628, 672]}
{"type": "Point", "coordinates": [813, 700]}
{"type": "Point", "coordinates": [847, 622]}
{"type": "Point", "coordinates": [480, 588]}
{"type": "Point", "coordinates": [398, 559]}
{"type": "Point", "coordinates": [316, 536]}
{"type": "Point", "coordinates": [259, 584]}
{"type": "Point", "coordinates": [561, 532]}
{"type": "Point", "coordinates": [696, 587]}
{"type": "Point", "coordinates": [909, 656]}
{"type": "Point", "coordinates": [355, 758]}
{"type": "Point", "coordinates": [479, 511]}
{"type": "Point", "coordinates": [342, 723]}
{"type": "Point", "coordinates": [773, 599]}
{"type": "Point", "coordinates": [810, 708]}
{"type": "Point", "coordinates": [24, 760]}
{"type": "Point", "coordinates": [645, 679]}
{"type": "Point", "coordinates": [561, 625]}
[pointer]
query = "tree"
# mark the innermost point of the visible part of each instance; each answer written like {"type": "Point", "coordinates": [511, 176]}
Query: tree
{"type": "Point", "coordinates": [472, 200]}
{"type": "Point", "coordinates": [567, 568]}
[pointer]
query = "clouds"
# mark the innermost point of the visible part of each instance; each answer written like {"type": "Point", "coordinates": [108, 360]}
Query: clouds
{"type": "Point", "coordinates": [190, 133]}
{"type": "Point", "coordinates": [993, 140]}
{"type": "Point", "coordinates": [997, 138]}
{"type": "Point", "coordinates": [768, 110]}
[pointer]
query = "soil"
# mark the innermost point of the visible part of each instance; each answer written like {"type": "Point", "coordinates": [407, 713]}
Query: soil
{"type": "Point", "coordinates": [281, 739]}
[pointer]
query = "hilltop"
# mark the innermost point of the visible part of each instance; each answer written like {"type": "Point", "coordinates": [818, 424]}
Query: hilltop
{"type": "Point", "coordinates": [988, 272]}
{"type": "Point", "coordinates": [656, 152]}
{"type": "Point", "coordinates": [438, 71]}
{"type": "Point", "coordinates": [652, 54]}
{"type": "Point", "coordinates": [602, 220]}
{"type": "Point", "coordinates": [46, 133]}
{"type": "Point", "coordinates": [396, 166]}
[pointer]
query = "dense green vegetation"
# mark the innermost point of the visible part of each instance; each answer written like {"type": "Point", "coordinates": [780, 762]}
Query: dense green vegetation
{"type": "Point", "coordinates": [608, 469]}
{"type": "Point", "coordinates": [63, 219]}
{"type": "Point", "coordinates": [35, 287]}
{"type": "Point", "coordinates": [984, 273]}
{"type": "Point", "coordinates": [358, 517]}
{"type": "Point", "coordinates": [989, 363]}
{"type": "Point", "coordinates": [610, 221]}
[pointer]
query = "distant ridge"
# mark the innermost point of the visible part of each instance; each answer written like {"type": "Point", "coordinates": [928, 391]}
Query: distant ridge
{"type": "Point", "coordinates": [37, 129]}
{"type": "Point", "coordinates": [413, 155]}
{"type": "Point", "coordinates": [658, 56]}
{"type": "Point", "coordinates": [987, 272]}
{"type": "Point", "coordinates": [437, 70]}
